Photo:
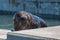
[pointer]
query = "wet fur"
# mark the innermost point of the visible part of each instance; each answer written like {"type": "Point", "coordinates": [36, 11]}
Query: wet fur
{"type": "Point", "coordinates": [30, 21]}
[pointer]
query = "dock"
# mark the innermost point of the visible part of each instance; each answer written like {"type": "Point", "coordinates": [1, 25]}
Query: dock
{"type": "Point", "coordinates": [48, 33]}
{"type": "Point", "coordinates": [3, 34]}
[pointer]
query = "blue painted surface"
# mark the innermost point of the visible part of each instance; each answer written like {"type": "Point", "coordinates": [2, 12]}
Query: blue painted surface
{"type": "Point", "coordinates": [43, 6]}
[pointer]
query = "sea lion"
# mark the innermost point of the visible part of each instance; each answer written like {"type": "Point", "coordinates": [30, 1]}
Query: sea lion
{"type": "Point", "coordinates": [24, 20]}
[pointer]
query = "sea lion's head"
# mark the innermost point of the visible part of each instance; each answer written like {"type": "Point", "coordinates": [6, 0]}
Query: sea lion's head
{"type": "Point", "coordinates": [21, 20]}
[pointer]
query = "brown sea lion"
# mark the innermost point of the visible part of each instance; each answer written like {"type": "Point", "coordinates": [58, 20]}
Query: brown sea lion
{"type": "Point", "coordinates": [24, 20]}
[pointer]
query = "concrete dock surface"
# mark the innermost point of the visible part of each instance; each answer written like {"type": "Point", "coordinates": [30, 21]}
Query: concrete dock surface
{"type": "Point", "coordinates": [3, 34]}
{"type": "Point", "coordinates": [49, 33]}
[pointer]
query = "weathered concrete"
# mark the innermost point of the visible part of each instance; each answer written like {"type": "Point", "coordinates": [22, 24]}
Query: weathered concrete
{"type": "Point", "coordinates": [49, 33]}
{"type": "Point", "coordinates": [3, 34]}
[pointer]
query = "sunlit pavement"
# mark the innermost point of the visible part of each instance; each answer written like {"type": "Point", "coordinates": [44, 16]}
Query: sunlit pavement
{"type": "Point", "coordinates": [3, 34]}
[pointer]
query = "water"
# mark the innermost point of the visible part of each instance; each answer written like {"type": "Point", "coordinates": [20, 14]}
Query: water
{"type": "Point", "coordinates": [6, 22]}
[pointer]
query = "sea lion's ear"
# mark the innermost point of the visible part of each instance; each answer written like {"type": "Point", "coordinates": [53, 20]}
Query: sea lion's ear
{"type": "Point", "coordinates": [14, 16]}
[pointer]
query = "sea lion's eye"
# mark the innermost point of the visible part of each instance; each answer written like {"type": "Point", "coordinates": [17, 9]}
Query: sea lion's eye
{"type": "Point", "coordinates": [18, 15]}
